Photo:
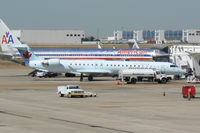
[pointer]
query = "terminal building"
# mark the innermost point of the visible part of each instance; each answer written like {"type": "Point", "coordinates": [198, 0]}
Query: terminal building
{"type": "Point", "coordinates": [159, 36]}
{"type": "Point", "coordinates": [50, 37]}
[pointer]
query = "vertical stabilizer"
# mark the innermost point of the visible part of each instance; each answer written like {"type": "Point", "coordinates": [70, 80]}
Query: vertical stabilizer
{"type": "Point", "coordinates": [133, 44]}
{"type": "Point", "coordinates": [26, 53]}
{"type": "Point", "coordinates": [7, 38]}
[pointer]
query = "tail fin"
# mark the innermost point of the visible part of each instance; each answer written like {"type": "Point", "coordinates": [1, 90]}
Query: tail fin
{"type": "Point", "coordinates": [26, 53]}
{"type": "Point", "coordinates": [7, 38]}
{"type": "Point", "coordinates": [133, 44]}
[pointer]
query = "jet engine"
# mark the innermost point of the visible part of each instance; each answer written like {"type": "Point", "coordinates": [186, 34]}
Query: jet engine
{"type": "Point", "coordinates": [51, 62]}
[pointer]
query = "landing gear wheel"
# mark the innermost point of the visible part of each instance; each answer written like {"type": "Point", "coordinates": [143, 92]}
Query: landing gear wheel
{"type": "Point", "coordinates": [133, 81]}
{"type": "Point", "coordinates": [90, 78]}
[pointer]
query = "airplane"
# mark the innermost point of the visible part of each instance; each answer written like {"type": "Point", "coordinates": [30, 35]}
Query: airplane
{"type": "Point", "coordinates": [7, 38]}
{"type": "Point", "coordinates": [91, 68]}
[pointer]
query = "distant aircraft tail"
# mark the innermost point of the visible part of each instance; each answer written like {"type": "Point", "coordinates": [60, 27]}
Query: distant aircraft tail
{"type": "Point", "coordinates": [133, 44]}
{"type": "Point", "coordinates": [7, 38]}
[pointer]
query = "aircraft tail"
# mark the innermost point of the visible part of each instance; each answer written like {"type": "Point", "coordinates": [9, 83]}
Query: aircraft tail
{"type": "Point", "coordinates": [26, 53]}
{"type": "Point", "coordinates": [7, 38]}
{"type": "Point", "coordinates": [133, 44]}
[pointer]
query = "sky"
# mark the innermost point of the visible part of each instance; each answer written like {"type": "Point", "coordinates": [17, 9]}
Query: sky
{"type": "Point", "coordinates": [99, 18]}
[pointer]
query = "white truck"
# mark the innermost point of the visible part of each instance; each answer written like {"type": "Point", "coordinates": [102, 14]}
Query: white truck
{"type": "Point", "coordinates": [131, 76]}
{"type": "Point", "coordinates": [70, 91]}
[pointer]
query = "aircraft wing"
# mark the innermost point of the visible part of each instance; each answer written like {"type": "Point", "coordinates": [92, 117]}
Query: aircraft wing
{"type": "Point", "coordinates": [94, 71]}
{"type": "Point", "coordinates": [90, 71]}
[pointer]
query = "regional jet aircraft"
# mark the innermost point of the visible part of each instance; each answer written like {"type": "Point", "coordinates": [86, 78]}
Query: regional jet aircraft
{"type": "Point", "coordinates": [91, 67]}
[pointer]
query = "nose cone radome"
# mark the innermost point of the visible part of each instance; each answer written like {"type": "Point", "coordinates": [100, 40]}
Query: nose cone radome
{"type": "Point", "coordinates": [182, 71]}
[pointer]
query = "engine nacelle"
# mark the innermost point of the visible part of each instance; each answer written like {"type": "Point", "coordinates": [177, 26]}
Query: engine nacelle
{"type": "Point", "coordinates": [51, 62]}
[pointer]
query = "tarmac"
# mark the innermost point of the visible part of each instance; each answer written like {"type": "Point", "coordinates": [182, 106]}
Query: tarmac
{"type": "Point", "coordinates": [31, 105]}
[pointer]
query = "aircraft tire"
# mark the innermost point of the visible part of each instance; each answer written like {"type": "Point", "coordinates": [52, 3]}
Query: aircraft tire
{"type": "Point", "coordinates": [133, 81]}
{"type": "Point", "coordinates": [90, 78]}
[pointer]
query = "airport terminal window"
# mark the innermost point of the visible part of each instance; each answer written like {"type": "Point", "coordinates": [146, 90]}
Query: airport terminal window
{"type": "Point", "coordinates": [173, 35]}
{"type": "Point", "coordinates": [148, 35]}
{"type": "Point", "coordinates": [127, 34]}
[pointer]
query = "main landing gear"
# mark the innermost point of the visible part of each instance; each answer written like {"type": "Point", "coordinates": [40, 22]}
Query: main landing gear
{"type": "Point", "coordinates": [90, 77]}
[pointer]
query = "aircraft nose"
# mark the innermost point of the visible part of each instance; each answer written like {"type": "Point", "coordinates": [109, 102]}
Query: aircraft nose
{"type": "Point", "coordinates": [182, 71]}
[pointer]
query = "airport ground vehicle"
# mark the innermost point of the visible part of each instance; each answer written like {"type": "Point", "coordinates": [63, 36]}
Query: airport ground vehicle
{"type": "Point", "coordinates": [44, 74]}
{"type": "Point", "coordinates": [70, 91]}
{"type": "Point", "coordinates": [188, 91]}
{"type": "Point", "coordinates": [131, 76]}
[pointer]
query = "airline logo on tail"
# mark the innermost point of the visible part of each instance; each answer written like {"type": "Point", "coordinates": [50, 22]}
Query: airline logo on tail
{"type": "Point", "coordinates": [7, 38]}
{"type": "Point", "coordinates": [27, 55]}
